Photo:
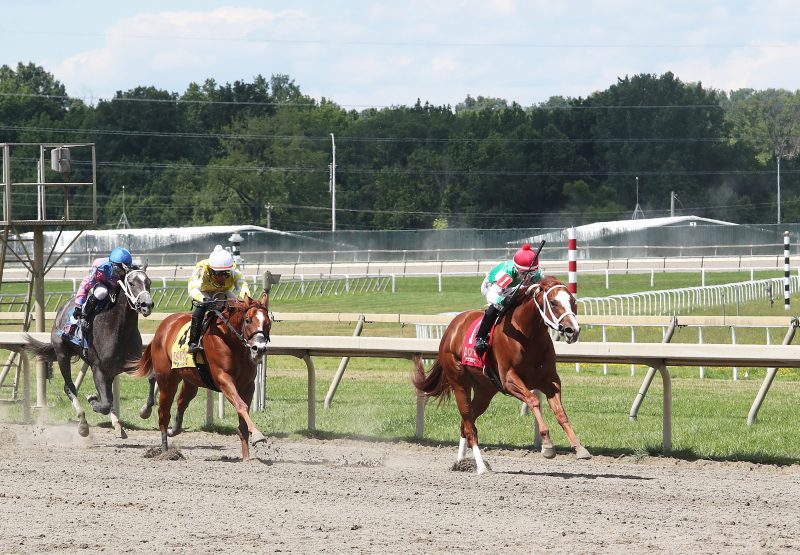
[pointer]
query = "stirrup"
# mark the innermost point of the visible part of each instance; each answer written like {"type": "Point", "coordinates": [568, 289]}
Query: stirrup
{"type": "Point", "coordinates": [194, 348]}
{"type": "Point", "coordinates": [481, 346]}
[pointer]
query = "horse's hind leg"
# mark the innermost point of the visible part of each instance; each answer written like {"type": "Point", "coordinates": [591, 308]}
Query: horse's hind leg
{"type": "Point", "coordinates": [554, 400]}
{"type": "Point", "coordinates": [65, 365]}
{"type": "Point", "coordinates": [469, 433]}
{"type": "Point", "coordinates": [166, 395]}
{"type": "Point", "coordinates": [187, 393]}
{"type": "Point", "coordinates": [147, 408]}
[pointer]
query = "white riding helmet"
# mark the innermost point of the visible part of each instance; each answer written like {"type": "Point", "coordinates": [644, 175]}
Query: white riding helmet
{"type": "Point", "coordinates": [220, 260]}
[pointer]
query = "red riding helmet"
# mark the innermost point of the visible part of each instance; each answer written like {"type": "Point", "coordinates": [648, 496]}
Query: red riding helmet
{"type": "Point", "coordinates": [525, 259]}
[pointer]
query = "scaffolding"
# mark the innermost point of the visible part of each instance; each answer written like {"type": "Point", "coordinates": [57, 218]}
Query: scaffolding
{"type": "Point", "coordinates": [36, 194]}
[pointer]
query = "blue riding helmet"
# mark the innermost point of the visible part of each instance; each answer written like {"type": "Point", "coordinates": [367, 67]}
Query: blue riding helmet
{"type": "Point", "coordinates": [121, 256]}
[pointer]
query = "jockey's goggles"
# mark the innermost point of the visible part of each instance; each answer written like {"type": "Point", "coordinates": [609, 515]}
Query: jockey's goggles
{"type": "Point", "coordinates": [220, 273]}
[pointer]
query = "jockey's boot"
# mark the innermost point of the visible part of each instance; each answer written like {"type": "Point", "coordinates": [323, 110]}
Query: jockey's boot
{"type": "Point", "coordinates": [88, 312]}
{"type": "Point", "coordinates": [481, 338]}
{"type": "Point", "coordinates": [194, 335]}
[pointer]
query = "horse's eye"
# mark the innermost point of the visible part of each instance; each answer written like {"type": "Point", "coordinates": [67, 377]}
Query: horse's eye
{"type": "Point", "coordinates": [248, 320]}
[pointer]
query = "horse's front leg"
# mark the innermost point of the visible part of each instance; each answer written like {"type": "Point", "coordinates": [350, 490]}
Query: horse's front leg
{"type": "Point", "coordinates": [246, 426]}
{"type": "Point", "coordinates": [65, 366]}
{"type": "Point", "coordinates": [103, 405]}
{"type": "Point", "coordinates": [554, 400]}
{"type": "Point", "coordinates": [516, 387]}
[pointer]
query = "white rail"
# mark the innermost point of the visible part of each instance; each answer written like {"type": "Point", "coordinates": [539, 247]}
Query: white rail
{"type": "Point", "coordinates": [655, 355]}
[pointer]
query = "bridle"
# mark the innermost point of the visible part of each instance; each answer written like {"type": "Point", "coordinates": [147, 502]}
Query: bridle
{"type": "Point", "coordinates": [548, 315]}
{"type": "Point", "coordinates": [240, 334]}
{"type": "Point", "coordinates": [133, 301]}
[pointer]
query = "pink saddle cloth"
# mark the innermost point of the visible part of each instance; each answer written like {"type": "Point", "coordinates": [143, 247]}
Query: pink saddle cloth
{"type": "Point", "coordinates": [468, 355]}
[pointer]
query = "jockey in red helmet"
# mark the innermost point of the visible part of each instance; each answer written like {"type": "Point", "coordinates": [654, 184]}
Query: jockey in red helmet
{"type": "Point", "coordinates": [496, 285]}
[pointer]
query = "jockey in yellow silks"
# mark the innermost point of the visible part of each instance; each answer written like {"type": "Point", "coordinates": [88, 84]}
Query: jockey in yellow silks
{"type": "Point", "coordinates": [216, 274]}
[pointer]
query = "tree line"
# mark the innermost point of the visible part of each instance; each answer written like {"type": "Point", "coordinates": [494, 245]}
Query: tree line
{"type": "Point", "coordinates": [260, 152]}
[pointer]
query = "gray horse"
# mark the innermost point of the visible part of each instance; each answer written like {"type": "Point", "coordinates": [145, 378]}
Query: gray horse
{"type": "Point", "coordinates": [112, 340]}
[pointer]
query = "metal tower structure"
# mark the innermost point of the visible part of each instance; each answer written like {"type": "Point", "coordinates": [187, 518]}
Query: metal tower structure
{"type": "Point", "coordinates": [43, 185]}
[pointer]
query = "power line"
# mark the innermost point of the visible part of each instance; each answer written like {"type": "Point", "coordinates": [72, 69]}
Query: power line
{"type": "Point", "coordinates": [413, 140]}
{"type": "Point", "coordinates": [180, 100]}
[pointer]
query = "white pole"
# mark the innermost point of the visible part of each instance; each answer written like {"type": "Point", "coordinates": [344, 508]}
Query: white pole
{"type": "Point", "coordinates": [333, 185]}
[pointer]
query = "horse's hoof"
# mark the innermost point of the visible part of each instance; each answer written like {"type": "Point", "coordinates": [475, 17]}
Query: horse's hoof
{"type": "Point", "coordinates": [145, 412]}
{"type": "Point", "coordinates": [257, 437]}
{"type": "Point", "coordinates": [549, 452]}
{"type": "Point", "coordinates": [121, 433]}
{"type": "Point", "coordinates": [582, 454]}
{"type": "Point", "coordinates": [172, 432]}
{"type": "Point", "coordinates": [83, 428]}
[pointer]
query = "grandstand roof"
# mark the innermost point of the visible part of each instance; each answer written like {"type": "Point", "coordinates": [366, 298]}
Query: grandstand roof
{"type": "Point", "coordinates": [598, 230]}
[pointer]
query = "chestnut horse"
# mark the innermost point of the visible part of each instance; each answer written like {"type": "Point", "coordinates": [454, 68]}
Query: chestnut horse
{"type": "Point", "coordinates": [234, 342]}
{"type": "Point", "coordinates": [521, 353]}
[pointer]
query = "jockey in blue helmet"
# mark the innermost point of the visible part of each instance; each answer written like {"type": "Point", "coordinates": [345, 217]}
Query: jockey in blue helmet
{"type": "Point", "coordinates": [102, 278]}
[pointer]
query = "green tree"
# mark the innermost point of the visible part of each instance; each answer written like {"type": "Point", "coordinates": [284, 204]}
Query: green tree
{"type": "Point", "coordinates": [770, 121]}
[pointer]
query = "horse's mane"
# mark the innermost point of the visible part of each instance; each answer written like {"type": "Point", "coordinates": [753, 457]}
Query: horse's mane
{"type": "Point", "coordinates": [548, 281]}
{"type": "Point", "coordinates": [239, 306]}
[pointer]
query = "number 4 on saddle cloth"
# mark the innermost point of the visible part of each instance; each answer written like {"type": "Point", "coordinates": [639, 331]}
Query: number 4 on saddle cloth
{"type": "Point", "coordinates": [182, 358]}
{"type": "Point", "coordinates": [470, 358]}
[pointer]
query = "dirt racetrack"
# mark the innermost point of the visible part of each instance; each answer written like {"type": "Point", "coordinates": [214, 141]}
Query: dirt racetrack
{"type": "Point", "coordinates": [62, 493]}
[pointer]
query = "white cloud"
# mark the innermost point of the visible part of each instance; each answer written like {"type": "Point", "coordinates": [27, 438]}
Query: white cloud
{"type": "Point", "coordinates": [172, 49]}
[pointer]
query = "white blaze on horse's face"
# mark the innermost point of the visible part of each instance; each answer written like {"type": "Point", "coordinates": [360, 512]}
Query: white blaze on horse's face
{"type": "Point", "coordinates": [258, 334]}
{"type": "Point", "coordinates": [137, 289]}
{"type": "Point", "coordinates": [568, 322]}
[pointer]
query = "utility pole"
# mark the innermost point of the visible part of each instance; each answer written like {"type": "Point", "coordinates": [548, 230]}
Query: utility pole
{"type": "Point", "coordinates": [333, 184]}
{"type": "Point", "coordinates": [269, 215]}
{"type": "Point", "coordinates": [779, 188]}
{"type": "Point", "coordinates": [672, 204]}
{"type": "Point", "coordinates": [637, 212]}
{"type": "Point", "coordinates": [123, 220]}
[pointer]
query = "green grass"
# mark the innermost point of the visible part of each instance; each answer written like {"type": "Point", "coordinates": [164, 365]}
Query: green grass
{"type": "Point", "coordinates": [376, 399]}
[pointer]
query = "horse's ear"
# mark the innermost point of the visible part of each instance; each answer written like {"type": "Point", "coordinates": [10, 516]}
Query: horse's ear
{"type": "Point", "coordinates": [265, 298]}
{"type": "Point", "coordinates": [144, 266]}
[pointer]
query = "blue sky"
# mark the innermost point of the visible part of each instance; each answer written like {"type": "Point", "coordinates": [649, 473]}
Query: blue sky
{"type": "Point", "coordinates": [362, 53]}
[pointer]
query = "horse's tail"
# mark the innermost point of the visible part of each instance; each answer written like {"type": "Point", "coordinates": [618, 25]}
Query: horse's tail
{"type": "Point", "coordinates": [45, 351]}
{"type": "Point", "coordinates": [143, 366]}
{"type": "Point", "coordinates": [434, 383]}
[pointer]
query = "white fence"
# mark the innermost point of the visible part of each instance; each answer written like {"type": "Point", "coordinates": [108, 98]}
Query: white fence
{"type": "Point", "coordinates": [657, 356]}
{"type": "Point", "coordinates": [686, 299]}
{"type": "Point", "coordinates": [476, 267]}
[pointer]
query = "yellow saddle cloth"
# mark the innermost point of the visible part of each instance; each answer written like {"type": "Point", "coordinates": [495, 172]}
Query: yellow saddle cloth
{"type": "Point", "coordinates": [181, 357]}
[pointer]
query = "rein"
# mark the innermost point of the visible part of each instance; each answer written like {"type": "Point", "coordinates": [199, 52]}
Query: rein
{"type": "Point", "coordinates": [235, 332]}
{"type": "Point", "coordinates": [133, 302]}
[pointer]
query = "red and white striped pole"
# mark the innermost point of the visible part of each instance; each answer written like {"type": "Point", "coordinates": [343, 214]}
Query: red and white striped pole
{"type": "Point", "coordinates": [573, 263]}
{"type": "Point", "coordinates": [786, 270]}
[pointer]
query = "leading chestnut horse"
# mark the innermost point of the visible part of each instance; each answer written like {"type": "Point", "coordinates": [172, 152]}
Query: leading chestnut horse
{"type": "Point", "coordinates": [233, 344]}
{"type": "Point", "coordinates": [521, 353]}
